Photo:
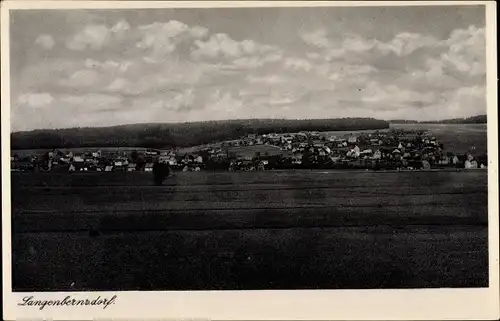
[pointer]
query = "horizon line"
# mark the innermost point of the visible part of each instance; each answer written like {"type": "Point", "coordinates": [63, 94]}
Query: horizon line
{"type": "Point", "coordinates": [242, 119]}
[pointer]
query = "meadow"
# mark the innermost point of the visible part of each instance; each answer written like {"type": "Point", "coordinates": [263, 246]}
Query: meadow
{"type": "Point", "coordinates": [456, 138]}
{"type": "Point", "coordinates": [230, 231]}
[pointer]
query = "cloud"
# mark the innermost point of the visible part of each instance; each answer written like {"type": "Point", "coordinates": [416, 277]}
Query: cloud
{"type": "Point", "coordinates": [47, 42]}
{"type": "Point", "coordinates": [224, 102]}
{"type": "Point", "coordinates": [35, 100]}
{"type": "Point", "coordinates": [89, 102]}
{"type": "Point", "coordinates": [82, 78]}
{"type": "Point", "coordinates": [120, 27]}
{"type": "Point", "coordinates": [173, 71]}
{"type": "Point", "coordinates": [220, 45]}
{"type": "Point", "coordinates": [92, 36]}
{"type": "Point", "coordinates": [466, 52]}
{"type": "Point", "coordinates": [298, 64]}
{"type": "Point", "coordinates": [406, 43]}
{"type": "Point", "coordinates": [268, 79]}
{"type": "Point", "coordinates": [317, 38]}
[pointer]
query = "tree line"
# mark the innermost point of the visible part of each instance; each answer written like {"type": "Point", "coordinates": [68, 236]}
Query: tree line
{"type": "Point", "coordinates": [156, 135]}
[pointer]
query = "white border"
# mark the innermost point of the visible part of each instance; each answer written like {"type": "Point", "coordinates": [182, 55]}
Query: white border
{"type": "Point", "coordinates": [421, 304]}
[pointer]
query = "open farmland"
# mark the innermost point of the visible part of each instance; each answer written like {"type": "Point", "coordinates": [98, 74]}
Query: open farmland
{"type": "Point", "coordinates": [269, 230]}
{"type": "Point", "coordinates": [456, 138]}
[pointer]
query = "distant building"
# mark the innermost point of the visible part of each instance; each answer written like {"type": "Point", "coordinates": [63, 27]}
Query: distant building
{"type": "Point", "coordinates": [470, 164]}
{"type": "Point", "coordinates": [149, 167]}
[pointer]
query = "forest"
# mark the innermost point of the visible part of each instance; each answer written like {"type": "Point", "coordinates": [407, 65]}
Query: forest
{"type": "Point", "coordinates": [173, 135]}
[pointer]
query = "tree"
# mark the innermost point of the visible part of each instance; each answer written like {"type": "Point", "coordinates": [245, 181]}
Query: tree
{"type": "Point", "coordinates": [134, 155]}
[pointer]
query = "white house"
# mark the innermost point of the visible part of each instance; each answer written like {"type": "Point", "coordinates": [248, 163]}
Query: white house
{"type": "Point", "coordinates": [469, 164]}
{"type": "Point", "coordinates": [172, 161]}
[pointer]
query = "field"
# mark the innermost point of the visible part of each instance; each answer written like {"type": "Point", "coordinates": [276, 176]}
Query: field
{"type": "Point", "coordinates": [229, 231]}
{"type": "Point", "coordinates": [455, 138]}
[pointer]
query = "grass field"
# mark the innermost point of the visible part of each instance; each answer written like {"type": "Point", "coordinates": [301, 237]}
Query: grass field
{"type": "Point", "coordinates": [460, 138]}
{"type": "Point", "coordinates": [271, 230]}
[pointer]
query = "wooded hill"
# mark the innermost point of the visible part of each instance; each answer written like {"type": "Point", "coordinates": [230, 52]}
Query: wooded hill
{"type": "Point", "coordinates": [156, 135]}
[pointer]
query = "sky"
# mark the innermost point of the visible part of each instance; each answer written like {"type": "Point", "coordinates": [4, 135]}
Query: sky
{"type": "Point", "coordinates": [86, 68]}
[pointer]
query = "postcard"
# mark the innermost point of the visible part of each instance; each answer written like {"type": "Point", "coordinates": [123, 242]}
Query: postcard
{"type": "Point", "coordinates": [249, 160]}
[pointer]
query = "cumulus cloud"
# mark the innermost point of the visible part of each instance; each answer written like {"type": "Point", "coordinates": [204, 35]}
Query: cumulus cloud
{"type": "Point", "coordinates": [97, 102]}
{"type": "Point", "coordinates": [317, 38]}
{"type": "Point", "coordinates": [221, 45]}
{"type": "Point", "coordinates": [47, 42]}
{"type": "Point", "coordinates": [298, 64]}
{"type": "Point", "coordinates": [123, 72]}
{"type": "Point", "coordinates": [93, 37]}
{"type": "Point", "coordinates": [35, 100]}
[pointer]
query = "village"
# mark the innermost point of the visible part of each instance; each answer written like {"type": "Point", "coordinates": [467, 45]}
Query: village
{"type": "Point", "coordinates": [380, 150]}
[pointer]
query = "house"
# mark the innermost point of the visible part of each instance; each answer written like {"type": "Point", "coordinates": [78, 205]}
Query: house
{"type": "Point", "coordinates": [131, 167]}
{"type": "Point", "coordinates": [470, 164]}
{"type": "Point", "coordinates": [78, 159]}
{"type": "Point", "coordinates": [352, 140]}
{"type": "Point", "coordinates": [367, 152]}
{"type": "Point", "coordinates": [354, 152]}
{"type": "Point", "coordinates": [377, 154]}
{"type": "Point", "coordinates": [444, 161]}
{"type": "Point", "coordinates": [199, 159]}
{"type": "Point", "coordinates": [172, 161]}
{"type": "Point", "coordinates": [149, 167]}
{"type": "Point", "coordinates": [108, 168]}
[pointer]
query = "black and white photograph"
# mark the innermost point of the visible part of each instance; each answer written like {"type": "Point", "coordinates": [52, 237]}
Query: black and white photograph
{"type": "Point", "coordinates": [248, 148]}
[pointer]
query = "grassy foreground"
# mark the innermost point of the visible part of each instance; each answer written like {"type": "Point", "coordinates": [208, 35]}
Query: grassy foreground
{"type": "Point", "coordinates": [275, 230]}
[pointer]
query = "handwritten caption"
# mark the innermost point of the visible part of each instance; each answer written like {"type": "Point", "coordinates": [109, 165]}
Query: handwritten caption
{"type": "Point", "coordinates": [31, 301]}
